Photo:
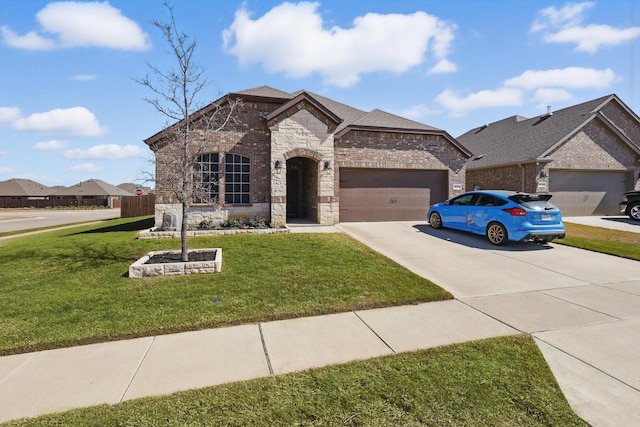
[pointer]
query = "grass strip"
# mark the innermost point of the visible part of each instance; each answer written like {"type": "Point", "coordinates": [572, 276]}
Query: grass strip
{"type": "Point", "coordinates": [493, 382]}
{"type": "Point", "coordinates": [604, 240]}
{"type": "Point", "coordinates": [68, 287]}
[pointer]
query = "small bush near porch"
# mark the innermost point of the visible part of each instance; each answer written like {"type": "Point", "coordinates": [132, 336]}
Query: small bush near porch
{"type": "Point", "coordinates": [67, 287]}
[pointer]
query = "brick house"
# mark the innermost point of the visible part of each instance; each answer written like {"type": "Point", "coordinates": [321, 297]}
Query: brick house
{"type": "Point", "coordinates": [586, 155]}
{"type": "Point", "coordinates": [301, 156]}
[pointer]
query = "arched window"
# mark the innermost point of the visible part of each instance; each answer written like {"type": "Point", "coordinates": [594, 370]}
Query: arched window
{"type": "Point", "coordinates": [237, 179]}
{"type": "Point", "coordinates": [206, 178]}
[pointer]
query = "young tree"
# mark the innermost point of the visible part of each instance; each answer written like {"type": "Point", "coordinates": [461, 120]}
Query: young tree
{"type": "Point", "coordinates": [175, 94]}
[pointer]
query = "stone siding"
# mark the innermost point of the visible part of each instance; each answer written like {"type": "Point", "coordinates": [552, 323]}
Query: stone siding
{"type": "Point", "coordinates": [301, 133]}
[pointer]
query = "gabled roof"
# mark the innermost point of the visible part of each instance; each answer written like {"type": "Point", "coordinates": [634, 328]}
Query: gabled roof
{"type": "Point", "coordinates": [19, 187]}
{"type": "Point", "coordinates": [518, 139]}
{"type": "Point", "coordinates": [92, 187]}
{"type": "Point", "coordinates": [345, 116]}
{"type": "Point", "coordinates": [264, 92]}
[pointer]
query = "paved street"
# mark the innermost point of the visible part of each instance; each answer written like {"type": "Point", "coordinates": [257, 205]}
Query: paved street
{"type": "Point", "coordinates": [22, 219]}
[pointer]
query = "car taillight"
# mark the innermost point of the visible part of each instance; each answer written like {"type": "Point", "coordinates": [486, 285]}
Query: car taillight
{"type": "Point", "coordinates": [516, 211]}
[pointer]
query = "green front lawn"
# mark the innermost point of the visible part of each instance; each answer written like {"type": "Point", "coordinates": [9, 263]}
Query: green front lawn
{"type": "Point", "coordinates": [613, 242]}
{"type": "Point", "coordinates": [68, 287]}
{"type": "Point", "coordinates": [494, 382]}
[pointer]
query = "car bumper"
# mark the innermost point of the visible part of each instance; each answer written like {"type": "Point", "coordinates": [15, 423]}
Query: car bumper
{"type": "Point", "coordinates": [542, 237]}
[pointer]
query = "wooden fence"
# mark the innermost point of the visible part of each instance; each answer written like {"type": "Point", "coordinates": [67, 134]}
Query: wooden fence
{"type": "Point", "coordinates": [137, 206]}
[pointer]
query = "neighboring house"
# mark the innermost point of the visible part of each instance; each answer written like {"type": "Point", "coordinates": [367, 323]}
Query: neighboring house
{"type": "Point", "coordinates": [93, 192]}
{"type": "Point", "coordinates": [303, 156]}
{"type": "Point", "coordinates": [586, 155]}
{"type": "Point", "coordinates": [21, 193]}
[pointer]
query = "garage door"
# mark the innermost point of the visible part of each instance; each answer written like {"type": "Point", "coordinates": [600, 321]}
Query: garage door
{"type": "Point", "coordinates": [581, 193]}
{"type": "Point", "coordinates": [389, 194]}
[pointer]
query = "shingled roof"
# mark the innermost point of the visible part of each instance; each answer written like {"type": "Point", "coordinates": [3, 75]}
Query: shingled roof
{"type": "Point", "coordinates": [347, 117]}
{"type": "Point", "coordinates": [519, 139]}
{"type": "Point", "coordinates": [19, 187]}
{"type": "Point", "coordinates": [92, 187]}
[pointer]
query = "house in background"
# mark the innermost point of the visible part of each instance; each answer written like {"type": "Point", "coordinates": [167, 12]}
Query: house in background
{"type": "Point", "coordinates": [93, 192]}
{"type": "Point", "coordinates": [22, 193]}
{"type": "Point", "coordinates": [131, 188]}
{"type": "Point", "coordinates": [303, 156]}
{"type": "Point", "coordinates": [586, 155]}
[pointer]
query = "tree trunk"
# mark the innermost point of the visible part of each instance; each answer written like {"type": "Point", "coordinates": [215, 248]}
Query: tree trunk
{"type": "Point", "coordinates": [183, 233]}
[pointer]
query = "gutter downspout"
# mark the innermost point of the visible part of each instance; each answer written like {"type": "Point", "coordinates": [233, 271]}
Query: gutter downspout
{"type": "Point", "coordinates": [522, 179]}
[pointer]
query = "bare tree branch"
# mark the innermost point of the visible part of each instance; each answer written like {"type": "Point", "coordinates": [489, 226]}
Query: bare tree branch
{"type": "Point", "coordinates": [174, 95]}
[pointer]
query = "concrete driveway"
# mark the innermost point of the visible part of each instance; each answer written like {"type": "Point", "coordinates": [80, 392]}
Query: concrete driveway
{"type": "Point", "coordinates": [582, 308]}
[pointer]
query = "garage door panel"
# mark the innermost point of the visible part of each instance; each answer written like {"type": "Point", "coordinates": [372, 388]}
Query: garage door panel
{"type": "Point", "coordinates": [583, 193]}
{"type": "Point", "coordinates": [389, 195]}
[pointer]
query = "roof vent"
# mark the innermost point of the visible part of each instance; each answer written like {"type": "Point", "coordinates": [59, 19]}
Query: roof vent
{"type": "Point", "coordinates": [549, 112]}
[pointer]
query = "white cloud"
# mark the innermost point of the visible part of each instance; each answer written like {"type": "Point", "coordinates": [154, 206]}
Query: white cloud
{"type": "Point", "coordinates": [80, 24]}
{"type": "Point", "coordinates": [546, 95]}
{"type": "Point", "coordinates": [30, 41]}
{"type": "Point", "coordinates": [592, 37]}
{"type": "Point", "coordinates": [3, 153]}
{"type": "Point", "coordinates": [564, 25]}
{"type": "Point", "coordinates": [292, 39]}
{"type": "Point", "coordinates": [53, 145]}
{"type": "Point", "coordinates": [443, 66]}
{"type": "Point", "coordinates": [5, 170]}
{"type": "Point", "coordinates": [418, 111]}
{"type": "Point", "coordinates": [105, 151]}
{"type": "Point", "coordinates": [460, 106]}
{"type": "Point", "coordinates": [570, 77]}
{"type": "Point", "coordinates": [569, 15]}
{"type": "Point", "coordinates": [9, 114]}
{"type": "Point", "coordinates": [75, 121]}
{"type": "Point", "coordinates": [84, 167]}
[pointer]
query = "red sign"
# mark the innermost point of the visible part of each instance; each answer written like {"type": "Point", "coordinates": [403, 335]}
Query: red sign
{"type": "Point", "coordinates": [138, 191]}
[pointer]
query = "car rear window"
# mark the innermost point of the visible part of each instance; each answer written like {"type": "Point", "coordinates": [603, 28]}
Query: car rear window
{"type": "Point", "coordinates": [533, 201]}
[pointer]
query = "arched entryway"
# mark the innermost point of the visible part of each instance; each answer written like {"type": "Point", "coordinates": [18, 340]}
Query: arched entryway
{"type": "Point", "coordinates": [302, 189]}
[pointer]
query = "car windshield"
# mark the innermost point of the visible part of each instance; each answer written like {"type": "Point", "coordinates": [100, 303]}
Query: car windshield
{"type": "Point", "coordinates": [536, 202]}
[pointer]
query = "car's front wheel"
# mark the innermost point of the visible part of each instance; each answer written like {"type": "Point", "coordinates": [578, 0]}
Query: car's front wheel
{"type": "Point", "coordinates": [634, 211]}
{"type": "Point", "coordinates": [497, 234]}
{"type": "Point", "coordinates": [435, 220]}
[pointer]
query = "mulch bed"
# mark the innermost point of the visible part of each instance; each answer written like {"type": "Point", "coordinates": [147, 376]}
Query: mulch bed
{"type": "Point", "coordinates": [192, 256]}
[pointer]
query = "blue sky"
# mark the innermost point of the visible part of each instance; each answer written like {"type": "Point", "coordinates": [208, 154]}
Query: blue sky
{"type": "Point", "coordinates": [70, 108]}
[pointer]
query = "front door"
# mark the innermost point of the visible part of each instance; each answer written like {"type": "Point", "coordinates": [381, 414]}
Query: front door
{"type": "Point", "coordinates": [293, 202]}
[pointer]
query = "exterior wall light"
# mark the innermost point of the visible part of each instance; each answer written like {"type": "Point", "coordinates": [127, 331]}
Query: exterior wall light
{"type": "Point", "coordinates": [278, 164]}
{"type": "Point", "coordinates": [327, 165]}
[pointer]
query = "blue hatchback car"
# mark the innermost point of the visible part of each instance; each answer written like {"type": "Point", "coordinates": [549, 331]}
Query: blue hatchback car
{"type": "Point", "coordinates": [501, 216]}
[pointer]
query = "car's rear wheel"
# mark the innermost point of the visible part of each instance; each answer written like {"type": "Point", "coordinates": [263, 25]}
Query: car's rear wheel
{"type": "Point", "coordinates": [497, 234]}
{"type": "Point", "coordinates": [634, 211]}
{"type": "Point", "coordinates": [435, 220]}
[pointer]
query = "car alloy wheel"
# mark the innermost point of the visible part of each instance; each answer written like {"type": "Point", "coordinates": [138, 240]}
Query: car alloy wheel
{"type": "Point", "coordinates": [634, 212]}
{"type": "Point", "coordinates": [435, 220]}
{"type": "Point", "coordinates": [497, 234]}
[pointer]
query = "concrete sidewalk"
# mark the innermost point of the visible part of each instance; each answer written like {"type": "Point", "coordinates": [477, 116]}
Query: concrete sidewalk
{"type": "Point", "coordinates": [56, 380]}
